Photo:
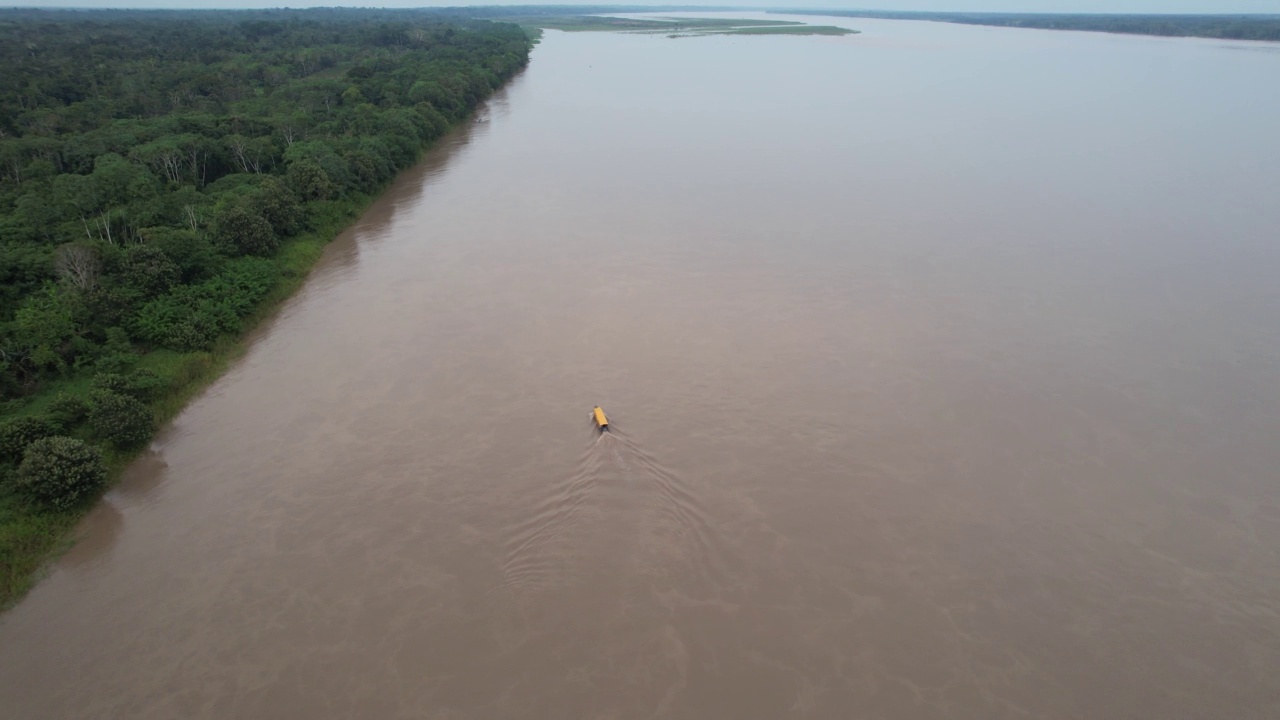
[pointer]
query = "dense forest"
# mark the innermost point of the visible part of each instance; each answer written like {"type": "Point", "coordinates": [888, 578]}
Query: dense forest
{"type": "Point", "coordinates": [1227, 27]}
{"type": "Point", "coordinates": [162, 175]}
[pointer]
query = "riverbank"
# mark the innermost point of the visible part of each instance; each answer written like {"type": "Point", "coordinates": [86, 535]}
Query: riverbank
{"type": "Point", "coordinates": [31, 536]}
{"type": "Point", "coordinates": [150, 228]}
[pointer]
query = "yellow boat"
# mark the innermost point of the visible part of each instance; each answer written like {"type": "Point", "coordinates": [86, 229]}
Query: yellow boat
{"type": "Point", "coordinates": [602, 422]}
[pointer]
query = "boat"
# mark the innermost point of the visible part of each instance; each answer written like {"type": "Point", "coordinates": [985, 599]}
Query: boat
{"type": "Point", "coordinates": [598, 415]}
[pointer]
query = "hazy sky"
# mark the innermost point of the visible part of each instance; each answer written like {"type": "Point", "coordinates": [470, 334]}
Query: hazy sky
{"type": "Point", "coordinates": [1113, 6]}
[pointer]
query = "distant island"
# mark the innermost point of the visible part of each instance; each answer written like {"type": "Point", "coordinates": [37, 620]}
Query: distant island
{"type": "Point", "coordinates": [670, 26]}
{"type": "Point", "coordinates": [1225, 27]}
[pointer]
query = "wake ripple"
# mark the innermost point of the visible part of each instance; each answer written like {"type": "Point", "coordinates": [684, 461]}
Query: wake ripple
{"type": "Point", "coordinates": [653, 517]}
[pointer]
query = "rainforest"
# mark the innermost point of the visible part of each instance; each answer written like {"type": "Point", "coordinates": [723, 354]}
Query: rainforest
{"type": "Point", "coordinates": [164, 178]}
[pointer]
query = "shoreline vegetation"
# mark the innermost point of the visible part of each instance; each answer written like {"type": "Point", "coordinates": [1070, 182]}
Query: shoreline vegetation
{"type": "Point", "coordinates": [1222, 27]}
{"type": "Point", "coordinates": [167, 179]}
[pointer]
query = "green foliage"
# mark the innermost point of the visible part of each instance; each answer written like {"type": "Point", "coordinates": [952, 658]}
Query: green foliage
{"type": "Point", "coordinates": [67, 411]}
{"type": "Point", "coordinates": [193, 316]}
{"type": "Point", "coordinates": [246, 231]}
{"type": "Point", "coordinates": [116, 354]}
{"type": "Point", "coordinates": [156, 147]}
{"type": "Point", "coordinates": [139, 384]}
{"type": "Point", "coordinates": [61, 472]}
{"type": "Point", "coordinates": [44, 328]}
{"type": "Point", "coordinates": [18, 434]}
{"type": "Point", "coordinates": [184, 150]}
{"type": "Point", "coordinates": [189, 250]}
{"type": "Point", "coordinates": [310, 180]}
{"type": "Point", "coordinates": [147, 271]}
{"type": "Point", "coordinates": [278, 205]}
{"type": "Point", "coordinates": [111, 382]}
{"type": "Point", "coordinates": [120, 420]}
{"type": "Point", "coordinates": [23, 269]}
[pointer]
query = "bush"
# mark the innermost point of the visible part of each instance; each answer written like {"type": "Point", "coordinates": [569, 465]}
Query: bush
{"type": "Point", "coordinates": [61, 472]}
{"type": "Point", "coordinates": [185, 319]}
{"type": "Point", "coordinates": [17, 434]}
{"type": "Point", "coordinates": [68, 411]}
{"type": "Point", "coordinates": [111, 382]}
{"type": "Point", "coordinates": [120, 420]}
{"type": "Point", "coordinates": [192, 317]}
{"type": "Point", "coordinates": [144, 384]}
{"type": "Point", "coordinates": [116, 354]}
{"type": "Point", "coordinates": [139, 384]}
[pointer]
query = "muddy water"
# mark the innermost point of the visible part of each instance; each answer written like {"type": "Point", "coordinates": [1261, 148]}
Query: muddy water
{"type": "Point", "coordinates": [944, 364]}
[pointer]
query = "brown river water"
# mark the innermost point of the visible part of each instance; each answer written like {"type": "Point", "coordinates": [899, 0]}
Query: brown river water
{"type": "Point", "coordinates": [944, 364]}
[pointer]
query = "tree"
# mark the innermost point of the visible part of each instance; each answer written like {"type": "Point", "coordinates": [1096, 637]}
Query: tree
{"type": "Point", "coordinates": [146, 270]}
{"type": "Point", "coordinates": [251, 154]}
{"type": "Point", "coordinates": [310, 180]}
{"type": "Point", "coordinates": [61, 472]}
{"type": "Point", "coordinates": [24, 269]}
{"type": "Point", "coordinates": [78, 265]}
{"type": "Point", "coordinates": [277, 204]}
{"type": "Point", "coordinates": [191, 251]}
{"type": "Point", "coordinates": [246, 231]}
{"type": "Point", "coordinates": [45, 327]}
{"type": "Point", "coordinates": [16, 436]}
{"type": "Point", "coordinates": [118, 130]}
{"type": "Point", "coordinates": [120, 420]}
{"type": "Point", "coordinates": [68, 411]}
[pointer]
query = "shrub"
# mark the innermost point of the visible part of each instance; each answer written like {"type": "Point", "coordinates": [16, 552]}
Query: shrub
{"type": "Point", "coordinates": [61, 472]}
{"type": "Point", "coordinates": [17, 434]}
{"type": "Point", "coordinates": [144, 384]}
{"type": "Point", "coordinates": [68, 411]}
{"type": "Point", "coordinates": [119, 419]}
{"type": "Point", "coordinates": [111, 382]}
{"type": "Point", "coordinates": [185, 319]}
{"type": "Point", "coordinates": [139, 384]}
{"type": "Point", "coordinates": [116, 354]}
{"type": "Point", "coordinates": [192, 317]}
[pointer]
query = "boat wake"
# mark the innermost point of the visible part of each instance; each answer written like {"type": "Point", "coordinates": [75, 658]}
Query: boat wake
{"type": "Point", "coordinates": [621, 517]}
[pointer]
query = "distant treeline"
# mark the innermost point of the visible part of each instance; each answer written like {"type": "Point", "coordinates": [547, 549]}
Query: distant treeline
{"type": "Point", "coordinates": [1228, 27]}
{"type": "Point", "coordinates": [163, 176]}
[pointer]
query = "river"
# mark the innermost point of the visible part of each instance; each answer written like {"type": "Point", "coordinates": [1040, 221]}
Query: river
{"type": "Point", "coordinates": [944, 368]}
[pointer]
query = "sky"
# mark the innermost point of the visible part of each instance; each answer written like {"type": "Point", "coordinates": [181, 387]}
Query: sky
{"type": "Point", "coordinates": [1085, 6]}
